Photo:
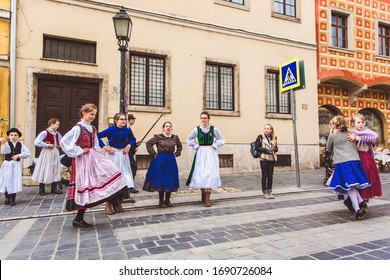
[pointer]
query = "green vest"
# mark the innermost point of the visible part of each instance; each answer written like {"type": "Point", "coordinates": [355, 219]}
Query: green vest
{"type": "Point", "coordinates": [206, 139]}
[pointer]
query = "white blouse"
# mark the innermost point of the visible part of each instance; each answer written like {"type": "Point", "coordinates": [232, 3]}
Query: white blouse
{"type": "Point", "coordinates": [192, 137]}
{"type": "Point", "coordinates": [68, 141]}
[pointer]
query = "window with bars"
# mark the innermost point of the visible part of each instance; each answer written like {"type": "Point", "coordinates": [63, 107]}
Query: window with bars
{"type": "Point", "coordinates": [384, 39]}
{"type": "Point", "coordinates": [277, 102]}
{"type": "Point", "coordinates": [147, 80]}
{"type": "Point", "coordinates": [219, 87]}
{"type": "Point", "coordinates": [339, 30]}
{"type": "Point", "coordinates": [285, 7]}
{"type": "Point", "coordinates": [69, 49]}
{"type": "Point", "coordinates": [241, 2]}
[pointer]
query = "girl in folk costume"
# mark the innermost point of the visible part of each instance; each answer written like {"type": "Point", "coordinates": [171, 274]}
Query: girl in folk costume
{"type": "Point", "coordinates": [365, 139]}
{"type": "Point", "coordinates": [163, 173]}
{"type": "Point", "coordinates": [267, 146]}
{"type": "Point", "coordinates": [120, 140]}
{"type": "Point", "coordinates": [93, 178]}
{"type": "Point", "coordinates": [11, 169]}
{"type": "Point", "coordinates": [348, 175]}
{"type": "Point", "coordinates": [204, 174]}
{"type": "Point", "coordinates": [48, 167]}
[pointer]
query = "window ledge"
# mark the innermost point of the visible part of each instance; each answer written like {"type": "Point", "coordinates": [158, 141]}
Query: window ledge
{"type": "Point", "coordinates": [336, 49]}
{"type": "Point", "coordinates": [223, 113]}
{"type": "Point", "coordinates": [284, 17]}
{"type": "Point", "coordinates": [278, 116]}
{"type": "Point", "coordinates": [244, 7]}
{"type": "Point", "coordinates": [69, 61]}
{"type": "Point", "coordinates": [150, 109]}
{"type": "Point", "coordinates": [382, 57]}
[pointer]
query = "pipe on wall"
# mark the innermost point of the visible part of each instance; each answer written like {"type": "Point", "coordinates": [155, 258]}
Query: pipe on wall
{"type": "Point", "coordinates": [12, 64]}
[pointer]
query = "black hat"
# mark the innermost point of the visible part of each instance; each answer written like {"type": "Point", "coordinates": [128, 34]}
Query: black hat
{"type": "Point", "coordinates": [131, 117]}
{"type": "Point", "coordinates": [14, 129]}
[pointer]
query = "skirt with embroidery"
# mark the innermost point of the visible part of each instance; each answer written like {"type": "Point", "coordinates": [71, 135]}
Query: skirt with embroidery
{"type": "Point", "coordinates": [347, 175]}
{"type": "Point", "coordinates": [163, 174]}
{"type": "Point", "coordinates": [94, 179]}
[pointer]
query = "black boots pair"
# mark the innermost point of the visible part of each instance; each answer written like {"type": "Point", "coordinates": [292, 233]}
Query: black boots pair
{"type": "Point", "coordinates": [54, 189]}
{"type": "Point", "coordinates": [167, 202]}
{"type": "Point", "coordinates": [10, 199]}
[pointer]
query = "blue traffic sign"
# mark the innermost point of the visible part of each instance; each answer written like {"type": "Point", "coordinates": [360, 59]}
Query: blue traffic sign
{"type": "Point", "coordinates": [289, 75]}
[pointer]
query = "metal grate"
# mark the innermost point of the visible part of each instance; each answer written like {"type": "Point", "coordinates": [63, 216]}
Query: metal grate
{"type": "Point", "coordinates": [143, 161]}
{"type": "Point", "coordinates": [226, 161]}
{"type": "Point", "coordinates": [283, 160]}
{"type": "Point", "coordinates": [219, 87]}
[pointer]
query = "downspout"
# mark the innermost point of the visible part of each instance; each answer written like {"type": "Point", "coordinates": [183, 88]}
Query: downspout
{"type": "Point", "coordinates": [12, 64]}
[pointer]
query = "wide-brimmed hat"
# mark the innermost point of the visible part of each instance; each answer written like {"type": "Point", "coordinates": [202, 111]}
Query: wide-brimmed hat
{"type": "Point", "coordinates": [14, 129]}
{"type": "Point", "coordinates": [131, 117]}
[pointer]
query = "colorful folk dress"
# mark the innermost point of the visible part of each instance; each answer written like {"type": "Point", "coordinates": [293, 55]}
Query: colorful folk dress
{"type": "Point", "coordinates": [94, 179]}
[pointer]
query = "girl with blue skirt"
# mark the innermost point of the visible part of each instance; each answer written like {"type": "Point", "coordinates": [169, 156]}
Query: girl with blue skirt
{"type": "Point", "coordinates": [348, 175]}
{"type": "Point", "coordinates": [163, 173]}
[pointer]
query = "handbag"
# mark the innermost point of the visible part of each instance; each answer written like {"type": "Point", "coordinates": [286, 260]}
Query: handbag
{"type": "Point", "coordinates": [253, 151]}
{"type": "Point", "coordinates": [66, 161]}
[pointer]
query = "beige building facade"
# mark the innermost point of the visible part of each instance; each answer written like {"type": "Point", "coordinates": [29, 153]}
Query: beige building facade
{"type": "Point", "coordinates": [185, 56]}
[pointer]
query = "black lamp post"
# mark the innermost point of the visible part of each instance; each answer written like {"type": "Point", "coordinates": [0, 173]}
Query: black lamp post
{"type": "Point", "coordinates": [122, 25]}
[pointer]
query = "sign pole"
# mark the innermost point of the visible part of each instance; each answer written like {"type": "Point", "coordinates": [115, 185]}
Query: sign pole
{"type": "Point", "coordinates": [294, 121]}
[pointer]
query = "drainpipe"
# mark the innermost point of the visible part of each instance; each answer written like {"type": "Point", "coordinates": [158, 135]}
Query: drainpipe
{"type": "Point", "coordinates": [12, 64]}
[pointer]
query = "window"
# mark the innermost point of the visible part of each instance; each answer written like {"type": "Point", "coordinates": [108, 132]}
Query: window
{"type": "Point", "coordinates": [285, 7]}
{"type": "Point", "coordinates": [277, 102]}
{"type": "Point", "coordinates": [147, 80]}
{"type": "Point", "coordinates": [241, 2]}
{"type": "Point", "coordinates": [339, 30]}
{"type": "Point", "coordinates": [384, 39]}
{"type": "Point", "coordinates": [219, 87]}
{"type": "Point", "coordinates": [69, 49]}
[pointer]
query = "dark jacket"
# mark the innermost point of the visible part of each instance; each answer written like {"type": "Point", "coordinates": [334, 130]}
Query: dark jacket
{"type": "Point", "coordinates": [165, 145]}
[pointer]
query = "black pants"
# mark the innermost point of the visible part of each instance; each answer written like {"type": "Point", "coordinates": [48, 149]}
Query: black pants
{"type": "Point", "coordinates": [267, 173]}
{"type": "Point", "coordinates": [133, 163]}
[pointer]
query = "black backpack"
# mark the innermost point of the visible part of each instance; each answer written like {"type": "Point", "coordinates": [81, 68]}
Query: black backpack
{"type": "Point", "coordinates": [252, 149]}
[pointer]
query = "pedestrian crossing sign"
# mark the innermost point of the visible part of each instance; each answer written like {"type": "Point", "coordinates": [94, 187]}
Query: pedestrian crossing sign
{"type": "Point", "coordinates": [289, 75]}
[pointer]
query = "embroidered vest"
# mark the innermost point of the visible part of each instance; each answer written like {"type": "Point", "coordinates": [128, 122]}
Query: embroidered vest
{"type": "Point", "coordinates": [49, 139]}
{"type": "Point", "coordinates": [14, 151]}
{"type": "Point", "coordinates": [86, 139]}
{"type": "Point", "coordinates": [206, 139]}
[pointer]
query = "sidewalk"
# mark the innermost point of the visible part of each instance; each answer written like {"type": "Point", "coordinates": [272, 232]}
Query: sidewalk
{"type": "Point", "coordinates": [239, 185]}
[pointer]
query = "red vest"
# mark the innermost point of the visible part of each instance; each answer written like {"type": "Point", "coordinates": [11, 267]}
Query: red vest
{"type": "Point", "coordinates": [49, 139]}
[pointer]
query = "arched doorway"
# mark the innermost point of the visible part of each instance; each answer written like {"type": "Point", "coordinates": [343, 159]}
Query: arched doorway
{"type": "Point", "coordinates": [374, 122]}
{"type": "Point", "coordinates": [325, 114]}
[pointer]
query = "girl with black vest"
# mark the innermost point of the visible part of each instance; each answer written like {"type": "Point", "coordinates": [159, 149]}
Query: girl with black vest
{"type": "Point", "coordinates": [11, 170]}
{"type": "Point", "coordinates": [204, 174]}
{"type": "Point", "coordinates": [48, 168]}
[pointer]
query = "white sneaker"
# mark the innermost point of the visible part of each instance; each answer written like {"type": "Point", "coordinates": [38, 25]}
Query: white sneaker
{"type": "Point", "coordinates": [271, 196]}
{"type": "Point", "coordinates": [266, 196]}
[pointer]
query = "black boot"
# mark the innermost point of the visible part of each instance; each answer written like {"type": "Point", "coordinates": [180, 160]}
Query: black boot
{"type": "Point", "coordinates": [42, 189]}
{"type": "Point", "coordinates": [54, 189]}
{"type": "Point", "coordinates": [168, 199]}
{"type": "Point", "coordinates": [161, 199]}
{"type": "Point", "coordinates": [12, 197]}
{"type": "Point", "coordinates": [6, 200]}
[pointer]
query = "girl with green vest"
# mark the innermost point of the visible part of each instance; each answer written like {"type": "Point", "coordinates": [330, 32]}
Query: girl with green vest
{"type": "Point", "coordinates": [204, 174]}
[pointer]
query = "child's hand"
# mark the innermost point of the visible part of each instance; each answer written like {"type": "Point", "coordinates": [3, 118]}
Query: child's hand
{"type": "Point", "coordinates": [15, 157]}
{"type": "Point", "coordinates": [86, 150]}
{"type": "Point", "coordinates": [2, 140]}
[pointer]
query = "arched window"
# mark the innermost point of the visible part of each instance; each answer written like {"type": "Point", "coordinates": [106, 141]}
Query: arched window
{"type": "Point", "coordinates": [373, 122]}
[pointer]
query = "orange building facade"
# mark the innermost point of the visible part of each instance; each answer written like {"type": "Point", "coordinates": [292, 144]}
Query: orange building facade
{"type": "Point", "coordinates": [353, 64]}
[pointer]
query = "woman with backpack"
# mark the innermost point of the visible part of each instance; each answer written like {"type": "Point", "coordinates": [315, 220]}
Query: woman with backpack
{"type": "Point", "coordinates": [267, 146]}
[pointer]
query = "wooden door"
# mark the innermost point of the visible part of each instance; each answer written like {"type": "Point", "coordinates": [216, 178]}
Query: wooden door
{"type": "Point", "coordinates": [62, 99]}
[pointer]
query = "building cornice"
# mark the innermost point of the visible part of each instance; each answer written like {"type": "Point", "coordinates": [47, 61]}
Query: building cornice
{"type": "Point", "coordinates": [188, 22]}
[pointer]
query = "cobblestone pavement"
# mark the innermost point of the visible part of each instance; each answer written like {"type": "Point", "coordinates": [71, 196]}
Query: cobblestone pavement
{"type": "Point", "coordinates": [301, 223]}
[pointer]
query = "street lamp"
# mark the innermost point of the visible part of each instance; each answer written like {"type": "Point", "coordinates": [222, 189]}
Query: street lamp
{"type": "Point", "coordinates": [122, 25]}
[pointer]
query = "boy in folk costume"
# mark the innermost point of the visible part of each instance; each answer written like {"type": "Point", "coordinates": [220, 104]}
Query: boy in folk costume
{"type": "Point", "coordinates": [204, 174]}
{"type": "Point", "coordinates": [48, 167]}
{"type": "Point", "coordinates": [11, 170]}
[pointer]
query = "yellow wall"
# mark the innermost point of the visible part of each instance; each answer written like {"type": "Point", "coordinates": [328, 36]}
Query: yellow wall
{"type": "Point", "coordinates": [4, 68]}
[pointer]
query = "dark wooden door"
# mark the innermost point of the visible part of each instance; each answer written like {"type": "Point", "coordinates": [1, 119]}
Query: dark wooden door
{"type": "Point", "coordinates": [62, 99]}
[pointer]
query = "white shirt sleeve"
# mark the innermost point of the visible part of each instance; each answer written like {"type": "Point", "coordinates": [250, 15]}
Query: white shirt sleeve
{"type": "Point", "coordinates": [191, 139]}
{"type": "Point", "coordinates": [68, 142]}
{"type": "Point", "coordinates": [39, 140]}
{"type": "Point", "coordinates": [25, 153]}
{"type": "Point", "coordinates": [5, 148]}
{"type": "Point", "coordinates": [219, 140]}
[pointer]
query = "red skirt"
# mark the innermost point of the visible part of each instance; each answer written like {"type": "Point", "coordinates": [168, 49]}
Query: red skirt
{"type": "Point", "coordinates": [373, 176]}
